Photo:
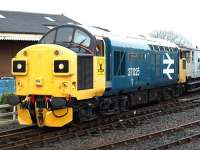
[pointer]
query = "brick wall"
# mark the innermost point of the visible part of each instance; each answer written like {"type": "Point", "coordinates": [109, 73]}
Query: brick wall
{"type": "Point", "coordinates": [8, 50]}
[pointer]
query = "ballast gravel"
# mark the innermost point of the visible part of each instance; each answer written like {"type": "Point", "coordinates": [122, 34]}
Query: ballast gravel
{"type": "Point", "coordinates": [145, 127]}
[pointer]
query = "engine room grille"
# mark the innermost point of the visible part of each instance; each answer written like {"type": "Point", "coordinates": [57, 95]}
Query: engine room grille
{"type": "Point", "coordinates": [85, 72]}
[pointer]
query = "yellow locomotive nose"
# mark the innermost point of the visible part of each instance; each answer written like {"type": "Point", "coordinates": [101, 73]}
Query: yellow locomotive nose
{"type": "Point", "coordinates": [45, 71]}
{"type": "Point", "coordinates": [48, 71]}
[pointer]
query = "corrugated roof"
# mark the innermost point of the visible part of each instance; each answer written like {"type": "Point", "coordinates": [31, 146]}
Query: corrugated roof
{"type": "Point", "coordinates": [20, 37]}
{"type": "Point", "coordinates": [31, 23]}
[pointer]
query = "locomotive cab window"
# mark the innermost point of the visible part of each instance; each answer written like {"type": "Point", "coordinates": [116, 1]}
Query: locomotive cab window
{"type": "Point", "coordinates": [82, 38]}
{"type": "Point", "coordinates": [49, 39]}
{"type": "Point", "coordinates": [64, 34]}
{"type": "Point", "coordinates": [100, 47]}
{"type": "Point", "coordinates": [73, 37]}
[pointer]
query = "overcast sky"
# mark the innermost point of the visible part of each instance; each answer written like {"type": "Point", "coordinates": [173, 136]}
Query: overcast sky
{"type": "Point", "coordinates": [127, 16]}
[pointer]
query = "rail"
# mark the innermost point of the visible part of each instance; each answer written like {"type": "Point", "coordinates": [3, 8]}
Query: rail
{"type": "Point", "coordinates": [29, 138]}
{"type": "Point", "coordinates": [113, 145]}
{"type": "Point", "coordinates": [4, 115]}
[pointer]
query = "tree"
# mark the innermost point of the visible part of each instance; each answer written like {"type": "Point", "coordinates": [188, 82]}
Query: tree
{"type": "Point", "coordinates": [172, 37]}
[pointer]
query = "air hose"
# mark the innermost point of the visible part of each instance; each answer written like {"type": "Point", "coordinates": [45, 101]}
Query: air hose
{"type": "Point", "coordinates": [59, 116]}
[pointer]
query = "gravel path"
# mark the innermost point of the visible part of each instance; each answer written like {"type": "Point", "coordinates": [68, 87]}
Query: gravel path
{"type": "Point", "coordinates": [147, 126]}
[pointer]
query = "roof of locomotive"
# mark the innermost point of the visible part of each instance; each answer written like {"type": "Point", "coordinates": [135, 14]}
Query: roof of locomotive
{"type": "Point", "coordinates": [139, 42]}
{"type": "Point", "coordinates": [119, 40]}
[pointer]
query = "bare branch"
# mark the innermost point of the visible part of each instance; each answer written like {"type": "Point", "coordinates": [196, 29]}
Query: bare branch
{"type": "Point", "coordinates": [172, 37]}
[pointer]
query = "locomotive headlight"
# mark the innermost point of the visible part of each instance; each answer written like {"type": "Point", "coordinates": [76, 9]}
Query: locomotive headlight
{"type": "Point", "coordinates": [19, 67]}
{"type": "Point", "coordinates": [61, 67]}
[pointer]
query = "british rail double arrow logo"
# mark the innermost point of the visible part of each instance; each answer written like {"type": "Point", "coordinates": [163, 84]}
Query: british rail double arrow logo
{"type": "Point", "coordinates": [168, 62]}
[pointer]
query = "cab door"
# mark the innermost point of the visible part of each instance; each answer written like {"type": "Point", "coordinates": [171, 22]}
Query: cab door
{"type": "Point", "coordinates": [99, 67]}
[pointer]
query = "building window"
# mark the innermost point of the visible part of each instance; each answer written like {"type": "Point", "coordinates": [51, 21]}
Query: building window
{"type": "Point", "coordinates": [119, 63]}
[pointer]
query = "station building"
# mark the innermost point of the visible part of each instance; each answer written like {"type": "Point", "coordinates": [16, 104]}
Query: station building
{"type": "Point", "coordinates": [21, 29]}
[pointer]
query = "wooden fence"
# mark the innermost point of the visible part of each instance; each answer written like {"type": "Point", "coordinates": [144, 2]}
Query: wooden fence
{"type": "Point", "coordinates": [5, 115]}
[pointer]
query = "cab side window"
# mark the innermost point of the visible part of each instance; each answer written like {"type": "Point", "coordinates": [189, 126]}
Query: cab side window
{"type": "Point", "coordinates": [100, 47]}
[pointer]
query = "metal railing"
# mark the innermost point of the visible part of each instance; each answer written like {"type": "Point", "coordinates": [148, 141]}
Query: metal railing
{"type": "Point", "coordinates": [5, 115]}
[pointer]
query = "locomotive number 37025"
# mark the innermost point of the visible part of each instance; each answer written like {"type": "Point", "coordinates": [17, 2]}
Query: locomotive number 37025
{"type": "Point", "coordinates": [134, 71]}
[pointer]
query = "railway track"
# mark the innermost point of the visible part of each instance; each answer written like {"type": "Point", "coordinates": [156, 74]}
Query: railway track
{"type": "Point", "coordinates": [159, 134]}
{"type": "Point", "coordinates": [25, 138]}
{"type": "Point", "coordinates": [16, 131]}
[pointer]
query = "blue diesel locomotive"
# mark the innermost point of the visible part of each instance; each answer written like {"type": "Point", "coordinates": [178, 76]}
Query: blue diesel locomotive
{"type": "Point", "coordinates": [77, 73]}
